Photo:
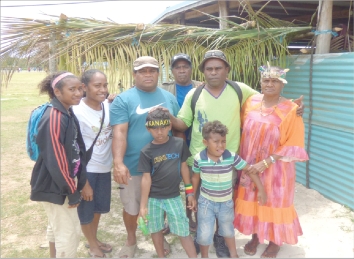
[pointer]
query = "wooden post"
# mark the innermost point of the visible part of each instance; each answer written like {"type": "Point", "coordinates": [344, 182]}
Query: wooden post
{"type": "Point", "coordinates": [323, 41]}
{"type": "Point", "coordinates": [223, 13]}
{"type": "Point", "coordinates": [183, 20]}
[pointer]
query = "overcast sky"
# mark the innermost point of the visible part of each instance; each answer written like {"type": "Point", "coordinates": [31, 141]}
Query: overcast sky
{"type": "Point", "coordinates": [118, 11]}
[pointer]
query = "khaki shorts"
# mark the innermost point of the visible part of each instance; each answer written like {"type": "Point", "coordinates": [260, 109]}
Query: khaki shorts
{"type": "Point", "coordinates": [130, 195]}
{"type": "Point", "coordinates": [63, 228]}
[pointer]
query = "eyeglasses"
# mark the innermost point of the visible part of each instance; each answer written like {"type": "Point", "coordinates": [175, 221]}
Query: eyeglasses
{"type": "Point", "coordinates": [215, 53]}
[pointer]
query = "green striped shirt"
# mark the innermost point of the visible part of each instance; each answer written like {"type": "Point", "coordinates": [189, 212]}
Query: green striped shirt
{"type": "Point", "coordinates": [217, 176]}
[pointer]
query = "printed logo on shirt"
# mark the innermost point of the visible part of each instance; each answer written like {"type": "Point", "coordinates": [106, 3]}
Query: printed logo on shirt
{"type": "Point", "coordinates": [142, 111]}
{"type": "Point", "coordinates": [202, 120]}
{"type": "Point", "coordinates": [159, 159]}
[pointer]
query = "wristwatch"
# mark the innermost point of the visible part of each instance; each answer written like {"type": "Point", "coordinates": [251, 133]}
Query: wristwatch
{"type": "Point", "coordinates": [272, 159]}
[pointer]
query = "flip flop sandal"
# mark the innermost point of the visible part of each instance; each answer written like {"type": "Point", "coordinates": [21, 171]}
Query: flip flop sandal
{"type": "Point", "coordinates": [128, 251]}
{"type": "Point", "coordinates": [166, 247]}
{"type": "Point", "coordinates": [105, 245]}
{"type": "Point", "coordinates": [105, 248]}
{"type": "Point", "coordinates": [92, 255]}
{"type": "Point", "coordinates": [249, 244]}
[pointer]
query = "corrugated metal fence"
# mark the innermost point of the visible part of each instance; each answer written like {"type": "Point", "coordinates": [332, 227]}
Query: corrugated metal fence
{"type": "Point", "coordinates": [331, 164]}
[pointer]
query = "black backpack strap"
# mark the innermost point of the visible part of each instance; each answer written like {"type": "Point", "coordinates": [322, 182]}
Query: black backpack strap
{"type": "Point", "coordinates": [237, 89]}
{"type": "Point", "coordinates": [196, 94]}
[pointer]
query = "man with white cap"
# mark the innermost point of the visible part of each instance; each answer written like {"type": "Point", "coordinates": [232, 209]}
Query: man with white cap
{"type": "Point", "coordinates": [128, 114]}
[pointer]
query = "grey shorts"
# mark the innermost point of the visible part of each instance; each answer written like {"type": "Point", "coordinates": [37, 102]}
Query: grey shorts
{"type": "Point", "coordinates": [130, 195]}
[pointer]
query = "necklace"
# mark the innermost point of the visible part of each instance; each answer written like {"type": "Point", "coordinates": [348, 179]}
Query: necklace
{"type": "Point", "coordinates": [266, 114]}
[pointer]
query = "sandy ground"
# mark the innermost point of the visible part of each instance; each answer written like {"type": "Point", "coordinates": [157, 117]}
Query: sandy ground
{"type": "Point", "coordinates": [327, 227]}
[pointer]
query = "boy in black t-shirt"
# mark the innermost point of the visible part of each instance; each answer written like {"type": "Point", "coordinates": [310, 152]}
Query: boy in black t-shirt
{"type": "Point", "coordinates": [163, 162]}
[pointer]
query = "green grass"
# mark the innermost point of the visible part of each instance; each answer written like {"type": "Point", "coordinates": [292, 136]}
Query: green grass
{"type": "Point", "coordinates": [21, 219]}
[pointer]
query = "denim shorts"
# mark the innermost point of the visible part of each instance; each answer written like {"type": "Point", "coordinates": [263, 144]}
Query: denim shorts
{"type": "Point", "coordinates": [208, 212]}
{"type": "Point", "coordinates": [101, 203]}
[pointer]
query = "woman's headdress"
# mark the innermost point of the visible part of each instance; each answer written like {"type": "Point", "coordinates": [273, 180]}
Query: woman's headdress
{"type": "Point", "coordinates": [273, 72]}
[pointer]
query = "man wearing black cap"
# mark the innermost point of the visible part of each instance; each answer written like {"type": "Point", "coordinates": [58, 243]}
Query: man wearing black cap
{"type": "Point", "coordinates": [218, 100]}
{"type": "Point", "coordinates": [181, 68]}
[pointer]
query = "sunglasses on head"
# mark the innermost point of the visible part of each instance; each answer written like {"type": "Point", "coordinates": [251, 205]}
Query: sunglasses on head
{"type": "Point", "coordinates": [215, 53]}
{"type": "Point", "coordinates": [180, 56]}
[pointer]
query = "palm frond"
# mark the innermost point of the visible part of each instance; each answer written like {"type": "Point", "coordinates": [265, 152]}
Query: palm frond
{"type": "Point", "coordinates": [113, 47]}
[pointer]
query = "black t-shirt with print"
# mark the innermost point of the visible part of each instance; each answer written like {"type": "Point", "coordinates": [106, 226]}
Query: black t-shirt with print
{"type": "Point", "coordinates": [163, 162]}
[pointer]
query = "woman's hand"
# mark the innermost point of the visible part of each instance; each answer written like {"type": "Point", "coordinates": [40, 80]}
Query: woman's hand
{"type": "Point", "coordinates": [257, 168]}
{"type": "Point", "coordinates": [87, 192]}
{"type": "Point", "coordinates": [74, 205]}
{"type": "Point", "coordinates": [262, 197]}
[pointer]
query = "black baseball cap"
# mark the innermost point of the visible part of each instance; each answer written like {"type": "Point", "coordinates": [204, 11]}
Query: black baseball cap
{"type": "Point", "coordinates": [180, 56]}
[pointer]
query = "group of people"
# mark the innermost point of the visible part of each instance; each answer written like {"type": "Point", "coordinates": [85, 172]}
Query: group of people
{"type": "Point", "coordinates": [157, 136]}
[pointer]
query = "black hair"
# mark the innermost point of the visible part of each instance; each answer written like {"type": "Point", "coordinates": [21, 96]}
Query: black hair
{"type": "Point", "coordinates": [214, 127]}
{"type": "Point", "coordinates": [158, 114]}
{"type": "Point", "coordinates": [88, 74]}
{"type": "Point", "coordinates": [45, 86]}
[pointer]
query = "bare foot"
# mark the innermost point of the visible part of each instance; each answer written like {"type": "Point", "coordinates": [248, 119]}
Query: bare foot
{"type": "Point", "coordinates": [271, 251]}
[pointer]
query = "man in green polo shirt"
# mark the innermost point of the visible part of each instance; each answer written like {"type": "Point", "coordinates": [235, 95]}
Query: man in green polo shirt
{"type": "Point", "coordinates": [217, 101]}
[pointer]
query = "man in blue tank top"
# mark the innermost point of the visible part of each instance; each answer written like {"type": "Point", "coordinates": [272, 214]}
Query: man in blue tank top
{"type": "Point", "coordinates": [128, 116]}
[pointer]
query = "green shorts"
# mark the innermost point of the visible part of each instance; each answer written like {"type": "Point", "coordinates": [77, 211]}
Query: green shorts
{"type": "Point", "coordinates": [175, 212]}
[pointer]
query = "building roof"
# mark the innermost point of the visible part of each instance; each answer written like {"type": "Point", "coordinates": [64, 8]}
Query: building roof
{"type": "Point", "coordinates": [300, 12]}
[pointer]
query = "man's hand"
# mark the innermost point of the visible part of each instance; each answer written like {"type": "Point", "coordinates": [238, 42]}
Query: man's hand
{"type": "Point", "coordinates": [143, 212]}
{"type": "Point", "coordinates": [111, 97]}
{"type": "Point", "coordinates": [87, 192]}
{"type": "Point", "coordinates": [121, 174]}
{"type": "Point", "coordinates": [159, 108]}
{"type": "Point", "coordinates": [300, 103]}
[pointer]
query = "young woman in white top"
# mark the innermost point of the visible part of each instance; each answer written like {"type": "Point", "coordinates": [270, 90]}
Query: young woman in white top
{"type": "Point", "coordinates": [97, 199]}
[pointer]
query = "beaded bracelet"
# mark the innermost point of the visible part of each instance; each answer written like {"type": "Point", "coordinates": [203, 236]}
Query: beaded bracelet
{"type": "Point", "coordinates": [265, 163]}
{"type": "Point", "coordinates": [189, 189]}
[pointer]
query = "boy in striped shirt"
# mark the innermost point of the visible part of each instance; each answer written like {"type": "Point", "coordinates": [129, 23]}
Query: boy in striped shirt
{"type": "Point", "coordinates": [214, 165]}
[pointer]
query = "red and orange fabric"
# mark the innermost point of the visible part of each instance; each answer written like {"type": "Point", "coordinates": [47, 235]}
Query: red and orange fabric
{"type": "Point", "coordinates": [281, 133]}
